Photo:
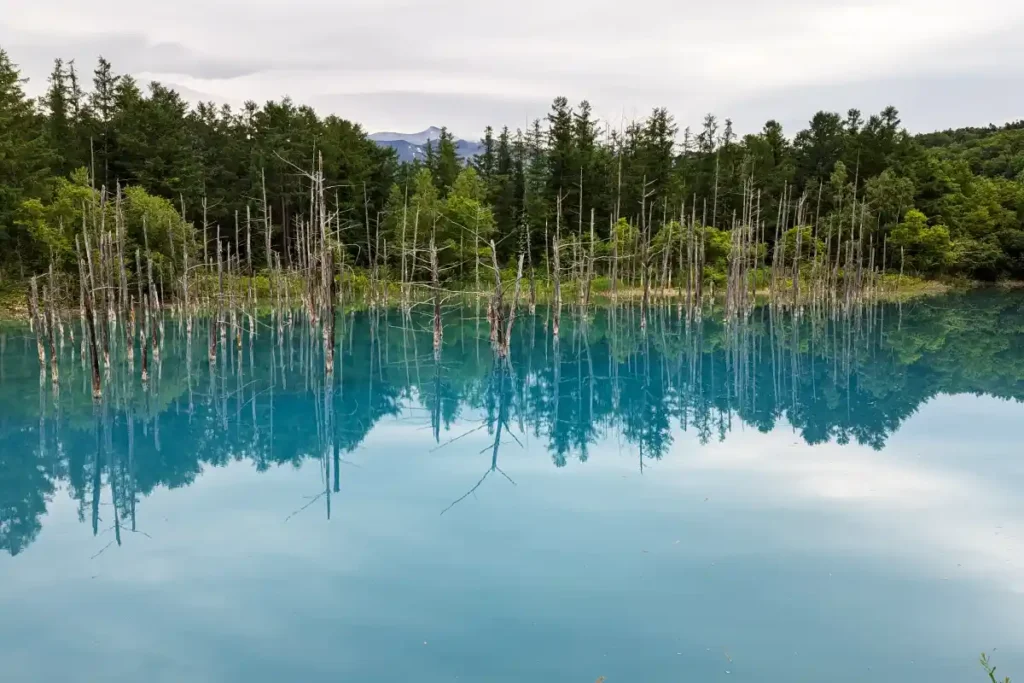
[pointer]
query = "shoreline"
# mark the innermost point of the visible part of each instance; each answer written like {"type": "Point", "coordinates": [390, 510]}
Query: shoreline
{"type": "Point", "coordinates": [14, 301]}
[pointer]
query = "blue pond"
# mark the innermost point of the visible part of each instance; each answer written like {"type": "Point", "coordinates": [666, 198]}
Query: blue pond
{"type": "Point", "coordinates": [780, 499]}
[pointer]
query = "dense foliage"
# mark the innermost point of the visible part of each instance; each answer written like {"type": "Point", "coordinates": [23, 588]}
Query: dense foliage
{"type": "Point", "coordinates": [951, 202]}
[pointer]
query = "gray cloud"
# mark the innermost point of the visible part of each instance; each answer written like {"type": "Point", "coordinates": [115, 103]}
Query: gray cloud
{"type": "Point", "coordinates": [409, 64]}
{"type": "Point", "coordinates": [408, 111]}
{"type": "Point", "coordinates": [925, 104]}
{"type": "Point", "coordinates": [131, 53]}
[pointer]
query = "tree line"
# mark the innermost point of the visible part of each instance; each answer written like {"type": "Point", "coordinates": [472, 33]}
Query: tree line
{"type": "Point", "coordinates": [940, 204]}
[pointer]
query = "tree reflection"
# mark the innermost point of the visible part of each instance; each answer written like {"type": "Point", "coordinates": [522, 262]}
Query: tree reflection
{"type": "Point", "coordinates": [840, 379]}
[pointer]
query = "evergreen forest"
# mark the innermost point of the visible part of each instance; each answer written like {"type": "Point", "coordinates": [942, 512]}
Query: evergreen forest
{"type": "Point", "coordinates": [945, 204]}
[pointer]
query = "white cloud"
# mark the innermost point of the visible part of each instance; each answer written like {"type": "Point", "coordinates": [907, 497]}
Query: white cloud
{"type": "Point", "coordinates": [930, 501]}
{"type": "Point", "coordinates": [626, 58]}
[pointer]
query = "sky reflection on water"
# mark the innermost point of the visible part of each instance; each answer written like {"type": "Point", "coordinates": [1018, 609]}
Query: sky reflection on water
{"type": "Point", "coordinates": [765, 502]}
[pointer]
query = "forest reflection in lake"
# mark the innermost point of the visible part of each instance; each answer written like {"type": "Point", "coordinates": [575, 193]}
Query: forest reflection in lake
{"type": "Point", "coordinates": [431, 499]}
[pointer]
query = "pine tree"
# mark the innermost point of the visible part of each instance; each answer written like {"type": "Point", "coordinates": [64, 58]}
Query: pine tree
{"type": "Point", "coordinates": [485, 161]}
{"type": "Point", "coordinates": [535, 186]}
{"type": "Point", "coordinates": [658, 154]}
{"type": "Point", "coordinates": [59, 121]}
{"type": "Point", "coordinates": [430, 158]}
{"type": "Point", "coordinates": [501, 191]}
{"type": "Point", "coordinates": [24, 154]}
{"type": "Point", "coordinates": [80, 122]}
{"type": "Point", "coordinates": [819, 147]}
{"type": "Point", "coordinates": [560, 150]}
{"type": "Point", "coordinates": [103, 101]}
{"type": "Point", "coordinates": [448, 165]}
{"type": "Point", "coordinates": [585, 163]}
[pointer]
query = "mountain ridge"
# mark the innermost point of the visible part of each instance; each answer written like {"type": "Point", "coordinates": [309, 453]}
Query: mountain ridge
{"type": "Point", "coordinates": [413, 146]}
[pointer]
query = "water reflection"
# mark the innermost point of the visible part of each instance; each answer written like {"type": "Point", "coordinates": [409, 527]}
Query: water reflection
{"type": "Point", "coordinates": [843, 379]}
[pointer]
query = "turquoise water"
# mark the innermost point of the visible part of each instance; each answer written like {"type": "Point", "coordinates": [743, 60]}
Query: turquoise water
{"type": "Point", "coordinates": [775, 501]}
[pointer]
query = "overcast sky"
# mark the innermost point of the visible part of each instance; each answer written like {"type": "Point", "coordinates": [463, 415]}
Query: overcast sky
{"type": "Point", "coordinates": [404, 65]}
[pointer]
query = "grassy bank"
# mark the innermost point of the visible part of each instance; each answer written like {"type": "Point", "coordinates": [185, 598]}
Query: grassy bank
{"type": "Point", "coordinates": [13, 300]}
{"type": "Point", "coordinates": [355, 288]}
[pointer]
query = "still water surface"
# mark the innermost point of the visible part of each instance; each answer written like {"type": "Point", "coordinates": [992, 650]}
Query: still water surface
{"type": "Point", "coordinates": [774, 501]}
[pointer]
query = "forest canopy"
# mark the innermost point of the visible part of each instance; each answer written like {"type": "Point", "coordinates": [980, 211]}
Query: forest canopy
{"type": "Point", "coordinates": [950, 203]}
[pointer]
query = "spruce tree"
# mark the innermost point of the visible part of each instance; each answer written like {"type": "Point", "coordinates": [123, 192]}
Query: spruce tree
{"type": "Point", "coordinates": [24, 155]}
{"type": "Point", "coordinates": [102, 102]}
{"type": "Point", "coordinates": [485, 161]}
{"type": "Point", "coordinates": [448, 165]}
{"type": "Point", "coordinates": [59, 119]}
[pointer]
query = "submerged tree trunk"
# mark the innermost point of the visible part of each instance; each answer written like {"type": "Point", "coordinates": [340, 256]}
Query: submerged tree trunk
{"type": "Point", "coordinates": [86, 284]}
{"type": "Point", "coordinates": [435, 282]}
{"type": "Point", "coordinates": [512, 308]}
{"type": "Point", "coordinates": [330, 315]}
{"type": "Point", "coordinates": [37, 325]}
{"type": "Point", "coordinates": [556, 303]}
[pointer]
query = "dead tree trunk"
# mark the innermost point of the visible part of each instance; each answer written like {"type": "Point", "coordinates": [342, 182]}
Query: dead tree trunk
{"type": "Point", "coordinates": [556, 303]}
{"type": "Point", "coordinates": [37, 325]}
{"type": "Point", "coordinates": [512, 309]}
{"type": "Point", "coordinates": [51, 308]}
{"type": "Point", "coordinates": [494, 309]}
{"type": "Point", "coordinates": [97, 388]}
{"type": "Point", "coordinates": [435, 283]}
{"type": "Point", "coordinates": [329, 333]}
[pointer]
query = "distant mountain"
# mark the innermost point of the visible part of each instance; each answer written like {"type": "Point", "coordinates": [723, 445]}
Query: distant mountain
{"type": "Point", "coordinates": [418, 139]}
{"type": "Point", "coordinates": [407, 151]}
{"type": "Point", "coordinates": [412, 146]}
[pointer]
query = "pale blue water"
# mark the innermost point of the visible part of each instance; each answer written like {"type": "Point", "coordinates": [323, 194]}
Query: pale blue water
{"type": "Point", "coordinates": [696, 504]}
